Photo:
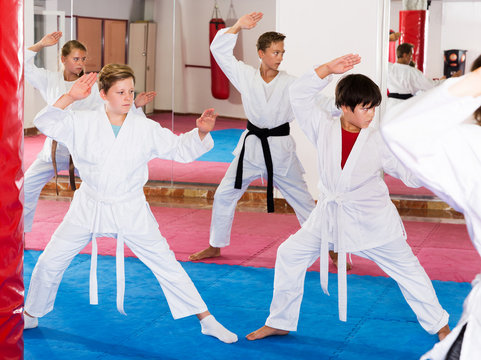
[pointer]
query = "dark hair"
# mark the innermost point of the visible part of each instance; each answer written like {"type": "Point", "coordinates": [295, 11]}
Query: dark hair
{"type": "Point", "coordinates": [357, 89]}
{"type": "Point", "coordinates": [476, 65]}
{"type": "Point", "coordinates": [266, 39]}
{"type": "Point", "coordinates": [404, 48]}
{"type": "Point", "coordinates": [72, 45]}
{"type": "Point", "coordinates": [112, 73]}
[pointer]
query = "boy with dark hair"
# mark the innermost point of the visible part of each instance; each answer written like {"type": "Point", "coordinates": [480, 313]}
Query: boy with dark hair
{"type": "Point", "coordinates": [354, 213]}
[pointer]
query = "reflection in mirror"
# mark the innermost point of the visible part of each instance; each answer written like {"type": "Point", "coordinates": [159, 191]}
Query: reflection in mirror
{"type": "Point", "coordinates": [193, 80]}
{"type": "Point", "coordinates": [104, 28]}
{"type": "Point", "coordinates": [445, 29]}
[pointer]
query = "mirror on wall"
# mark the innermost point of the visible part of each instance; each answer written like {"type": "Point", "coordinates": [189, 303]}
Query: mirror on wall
{"type": "Point", "coordinates": [449, 25]}
{"type": "Point", "coordinates": [193, 92]}
{"type": "Point", "coordinates": [120, 31]}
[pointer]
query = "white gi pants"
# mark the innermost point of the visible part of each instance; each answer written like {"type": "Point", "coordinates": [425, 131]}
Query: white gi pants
{"type": "Point", "coordinates": [292, 186]}
{"type": "Point", "coordinates": [396, 259]}
{"type": "Point", "coordinates": [37, 175]}
{"type": "Point", "coordinates": [151, 248]}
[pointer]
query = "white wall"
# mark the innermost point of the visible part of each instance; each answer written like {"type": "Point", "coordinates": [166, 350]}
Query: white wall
{"type": "Point", "coordinates": [161, 12]}
{"type": "Point", "coordinates": [320, 31]}
{"type": "Point", "coordinates": [462, 28]}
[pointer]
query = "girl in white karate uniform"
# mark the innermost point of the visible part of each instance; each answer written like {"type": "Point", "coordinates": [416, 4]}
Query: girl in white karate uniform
{"type": "Point", "coordinates": [51, 86]}
{"type": "Point", "coordinates": [438, 138]}
{"type": "Point", "coordinates": [111, 147]}
{"type": "Point", "coordinates": [354, 212]}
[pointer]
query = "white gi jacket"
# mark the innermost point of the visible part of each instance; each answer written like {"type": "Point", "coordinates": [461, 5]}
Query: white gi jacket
{"type": "Point", "coordinates": [354, 211]}
{"type": "Point", "coordinates": [51, 86]}
{"type": "Point", "coordinates": [114, 171]}
{"type": "Point", "coordinates": [436, 137]}
{"type": "Point", "coordinates": [260, 112]}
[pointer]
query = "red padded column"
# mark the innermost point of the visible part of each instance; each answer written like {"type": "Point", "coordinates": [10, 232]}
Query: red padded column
{"type": "Point", "coordinates": [11, 180]}
{"type": "Point", "coordinates": [412, 25]}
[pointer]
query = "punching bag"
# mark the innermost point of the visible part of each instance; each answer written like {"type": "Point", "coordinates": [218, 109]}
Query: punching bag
{"type": "Point", "coordinates": [412, 25]}
{"type": "Point", "coordinates": [219, 82]}
{"type": "Point", "coordinates": [11, 180]}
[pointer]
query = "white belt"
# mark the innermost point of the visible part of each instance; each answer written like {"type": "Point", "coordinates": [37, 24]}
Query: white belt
{"type": "Point", "coordinates": [331, 221]}
{"type": "Point", "coordinates": [119, 254]}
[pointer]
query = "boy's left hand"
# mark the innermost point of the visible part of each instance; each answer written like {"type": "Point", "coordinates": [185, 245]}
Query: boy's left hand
{"type": "Point", "coordinates": [206, 122]}
{"type": "Point", "coordinates": [144, 98]}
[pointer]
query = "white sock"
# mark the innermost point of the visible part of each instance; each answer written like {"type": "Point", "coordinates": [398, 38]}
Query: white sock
{"type": "Point", "coordinates": [210, 326]}
{"type": "Point", "coordinates": [29, 322]}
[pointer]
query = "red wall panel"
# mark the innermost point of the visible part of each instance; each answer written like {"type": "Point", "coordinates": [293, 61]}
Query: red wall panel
{"type": "Point", "coordinates": [11, 180]}
{"type": "Point", "coordinates": [412, 25]}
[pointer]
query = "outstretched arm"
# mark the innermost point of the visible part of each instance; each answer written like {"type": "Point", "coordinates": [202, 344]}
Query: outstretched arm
{"type": "Point", "coordinates": [206, 122]}
{"type": "Point", "coordinates": [248, 21]}
{"type": "Point", "coordinates": [338, 66]}
{"type": "Point", "coordinates": [80, 90]}
{"type": "Point", "coordinates": [304, 94]}
{"type": "Point", "coordinates": [48, 40]}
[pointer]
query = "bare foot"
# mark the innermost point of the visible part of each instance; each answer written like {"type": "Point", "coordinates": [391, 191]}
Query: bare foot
{"type": "Point", "coordinates": [443, 332]}
{"type": "Point", "coordinates": [265, 331]}
{"type": "Point", "coordinates": [333, 256]}
{"type": "Point", "coordinates": [210, 252]}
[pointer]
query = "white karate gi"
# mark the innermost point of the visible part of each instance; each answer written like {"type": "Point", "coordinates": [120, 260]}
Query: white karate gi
{"type": "Point", "coordinates": [354, 214]}
{"type": "Point", "coordinates": [51, 86]}
{"type": "Point", "coordinates": [405, 79]}
{"type": "Point", "coordinates": [263, 113]}
{"type": "Point", "coordinates": [436, 137]}
{"type": "Point", "coordinates": [111, 201]}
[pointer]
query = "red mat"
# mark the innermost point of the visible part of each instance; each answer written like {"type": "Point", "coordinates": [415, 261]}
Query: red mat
{"type": "Point", "coordinates": [444, 250]}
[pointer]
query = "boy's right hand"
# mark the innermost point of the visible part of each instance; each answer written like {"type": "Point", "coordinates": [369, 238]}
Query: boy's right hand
{"type": "Point", "coordinates": [82, 87]}
{"type": "Point", "coordinates": [248, 21]}
{"type": "Point", "coordinates": [338, 66]}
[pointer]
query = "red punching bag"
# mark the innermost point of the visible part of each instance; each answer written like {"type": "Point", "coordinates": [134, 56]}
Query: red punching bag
{"type": "Point", "coordinates": [219, 82]}
{"type": "Point", "coordinates": [11, 180]}
{"type": "Point", "coordinates": [412, 25]}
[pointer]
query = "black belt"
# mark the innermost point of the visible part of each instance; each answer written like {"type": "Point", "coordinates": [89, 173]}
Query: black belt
{"type": "Point", "coordinates": [262, 134]}
{"type": "Point", "coordinates": [400, 96]}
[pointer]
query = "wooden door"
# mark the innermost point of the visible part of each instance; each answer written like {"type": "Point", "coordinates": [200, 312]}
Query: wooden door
{"type": "Point", "coordinates": [115, 34]}
{"type": "Point", "coordinates": [89, 33]}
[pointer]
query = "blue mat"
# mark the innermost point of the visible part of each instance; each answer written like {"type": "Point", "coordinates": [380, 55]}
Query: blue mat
{"type": "Point", "coordinates": [380, 324]}
{"type": "Point", "coordinates": [225, 142]}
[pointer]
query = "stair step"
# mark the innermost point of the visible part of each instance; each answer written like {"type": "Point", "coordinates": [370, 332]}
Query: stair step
{"type": "Point", "coordinates": [160, 193]}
